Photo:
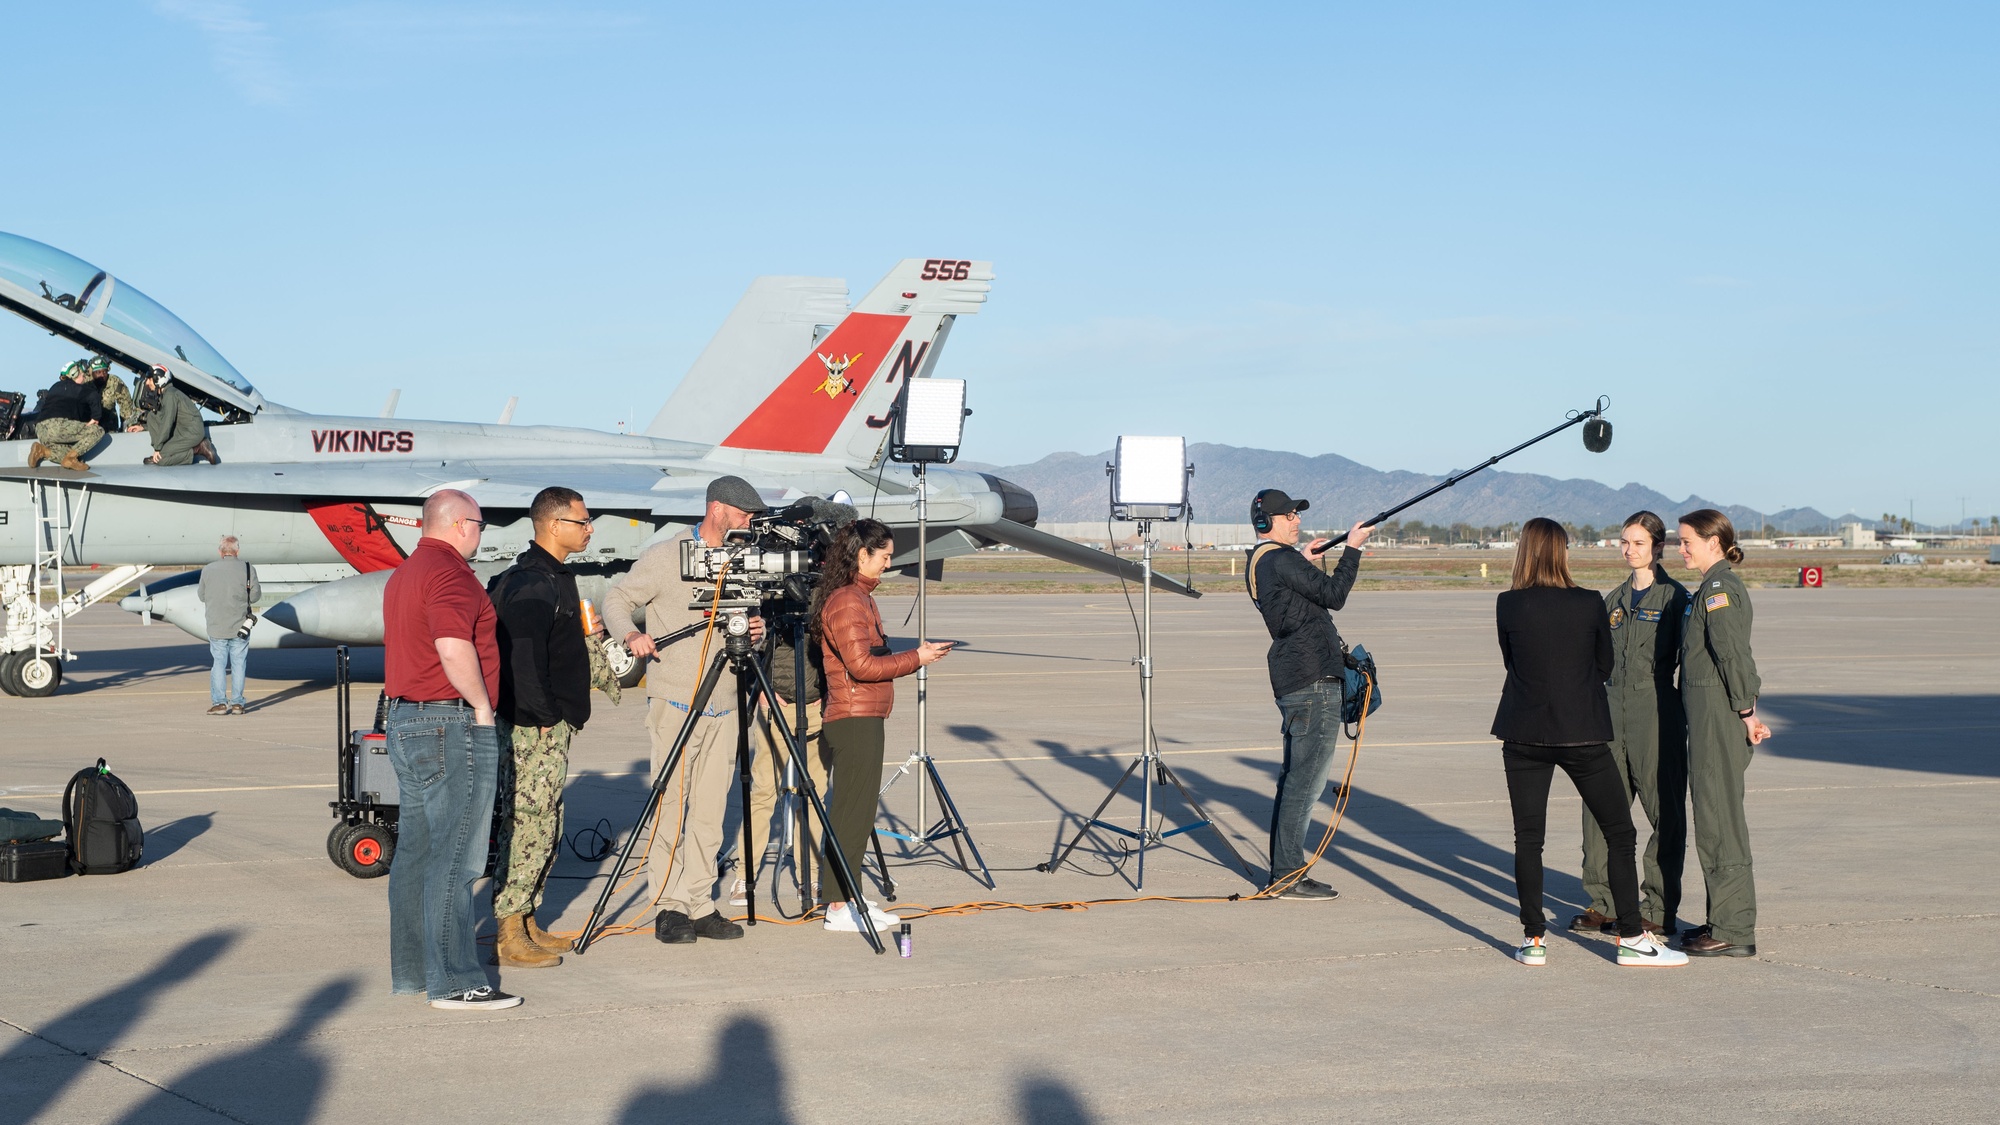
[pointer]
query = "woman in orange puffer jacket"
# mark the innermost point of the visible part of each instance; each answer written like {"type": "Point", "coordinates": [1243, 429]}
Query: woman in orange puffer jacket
{"type": "Point", "coordinates": [860, 692]}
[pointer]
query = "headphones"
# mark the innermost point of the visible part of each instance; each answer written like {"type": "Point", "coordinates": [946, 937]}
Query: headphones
{"type": "Point", "coordinates": [1258, 519]}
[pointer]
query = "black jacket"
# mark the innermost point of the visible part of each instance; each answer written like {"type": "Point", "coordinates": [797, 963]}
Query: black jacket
{"type": "Point", "coordinates": [544, 658]}
{"type": "Point", "coordinates": [1294, 595]}
{"type": "Point", "coordinates": [1556, 643]}
{"type": "Point", "coordinates": [79, 402]}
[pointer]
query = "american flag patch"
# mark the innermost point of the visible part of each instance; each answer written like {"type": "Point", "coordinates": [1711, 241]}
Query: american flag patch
{"type": "Point", "coordinates": [1717, 601]}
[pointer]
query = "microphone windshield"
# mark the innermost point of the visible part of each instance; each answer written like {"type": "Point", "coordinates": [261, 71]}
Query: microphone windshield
{"type": "Point", "coordinates": [1597, 434]}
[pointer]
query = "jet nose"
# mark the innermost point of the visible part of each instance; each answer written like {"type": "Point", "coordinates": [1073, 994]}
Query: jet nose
{"type": "Point", "coordinates": [1017, 504]}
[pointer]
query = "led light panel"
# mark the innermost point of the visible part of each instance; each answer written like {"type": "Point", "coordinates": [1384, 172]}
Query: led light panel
{"type": "Point", "coordinates": [930, 422]}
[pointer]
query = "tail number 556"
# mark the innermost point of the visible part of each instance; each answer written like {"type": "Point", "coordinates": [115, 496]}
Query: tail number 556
{"type": "Point", "coordinates": [946, 269]}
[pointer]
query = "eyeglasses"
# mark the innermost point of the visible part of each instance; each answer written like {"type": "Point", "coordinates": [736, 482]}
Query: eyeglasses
{"type": "Point", "coordinates": [591, 522]}
{"type": "Point", "coordinates": [469, 519]}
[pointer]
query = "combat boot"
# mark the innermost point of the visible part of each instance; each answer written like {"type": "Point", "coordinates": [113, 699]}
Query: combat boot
{"type": "Point", "coordinates": [547, 941]}
{"type": "Point", "coordinates": [38, 453]}
{"type": "Point", "coordinates": [72, 461]}
{"type": "Point", "coordinates": [515, 951]}
{"type": "Point", "coordinates": [206, 452]}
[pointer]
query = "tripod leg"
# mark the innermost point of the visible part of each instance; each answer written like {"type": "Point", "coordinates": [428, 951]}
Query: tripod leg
{"type": "Point", "coordinates": [1084, 828]}
{"type": "Point", "coordinates": [673, 759]}
{"type": "Point", "coordinates": [888, 881]}
{"type": "Point", "coordinates": [747, 863]}
{"type": "Point", "coordinates": [959, 829]}
{"type": "Point", "coordinates": [1173, 779]}
{"type": "Point", "coordinates": [844, 873]}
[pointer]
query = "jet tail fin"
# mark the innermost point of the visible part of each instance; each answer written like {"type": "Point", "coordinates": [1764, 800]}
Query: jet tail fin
{"type": "Point", "coordinates": [836, 398]}
{"type": "Point", "coordinates": [777, 321]}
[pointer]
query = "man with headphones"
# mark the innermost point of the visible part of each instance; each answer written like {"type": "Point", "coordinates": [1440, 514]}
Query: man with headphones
{"type": "Point", "coordinates": [1308, 671]}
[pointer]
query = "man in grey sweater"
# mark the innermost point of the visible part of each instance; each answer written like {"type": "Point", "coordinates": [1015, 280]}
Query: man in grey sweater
{"type": "Point", "coordinates": [228, 589]}
{"type": "Point", "coordinates": [681, 861]}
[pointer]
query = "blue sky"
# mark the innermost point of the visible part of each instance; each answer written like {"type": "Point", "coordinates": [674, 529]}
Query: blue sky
{"type": "Point", "coordinates": [1408, 234]}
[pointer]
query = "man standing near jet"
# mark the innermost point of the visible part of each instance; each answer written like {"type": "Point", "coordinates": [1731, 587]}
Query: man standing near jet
{"type": "Point", "coordinates": [441, 671]}
{"type": "Point", "coordinates": [1308, 671]}
{"type": "Point", "coordinates": [680, 864]}
{"type": "Point", "coordinates": [229, 589]}
{"type": "Point", "coordinates": [544, 701]}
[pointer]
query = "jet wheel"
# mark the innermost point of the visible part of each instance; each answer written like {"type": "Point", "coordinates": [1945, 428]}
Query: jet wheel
{"type": "Point", "coordinates": [628, 669]}
{"type": "Point", "coordinates": [34, 676]}
{"type": "Point", "coordinates": [366, 850]}
{"type": "Point", "coordinates": [7, 662]}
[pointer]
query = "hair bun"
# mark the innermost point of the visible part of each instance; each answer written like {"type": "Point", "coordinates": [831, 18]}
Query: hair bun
{"type": "Point", "coordinates": [1734, 554]}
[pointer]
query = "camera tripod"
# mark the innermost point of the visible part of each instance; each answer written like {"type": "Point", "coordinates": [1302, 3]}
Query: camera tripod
{"type": "Point", "coordinates": [751, 678]}
{"type": "Point", "coordinates": [1151, 768]}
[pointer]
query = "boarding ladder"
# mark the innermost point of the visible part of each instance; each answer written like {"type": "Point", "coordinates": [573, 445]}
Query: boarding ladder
{"type": "Point", "coordinates": [37, 597]}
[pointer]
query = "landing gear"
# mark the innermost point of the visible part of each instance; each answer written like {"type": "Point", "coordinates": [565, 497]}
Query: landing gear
{"type": "Point", "coordinates": [30, 674]}
{"type": "Point", "coordinates": [628, 668]}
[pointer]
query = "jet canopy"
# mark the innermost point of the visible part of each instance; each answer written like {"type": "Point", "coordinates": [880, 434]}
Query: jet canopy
{"type": "Point", "coordinates": [75, 299]}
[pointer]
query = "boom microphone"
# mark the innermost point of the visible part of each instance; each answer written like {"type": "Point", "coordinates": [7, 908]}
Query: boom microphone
{"type": "Point", "coordinates": [1597, 434]}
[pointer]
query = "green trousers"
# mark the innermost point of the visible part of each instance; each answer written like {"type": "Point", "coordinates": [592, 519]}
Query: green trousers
{"type": "Point", "coordinates": [531, 789]}
{"type": "Point", "coordinates": [1718, 755]}
{"type": "Point", "coordinates": [1649, 745]}
{"type": "Point", "coordinates": [64, 436]}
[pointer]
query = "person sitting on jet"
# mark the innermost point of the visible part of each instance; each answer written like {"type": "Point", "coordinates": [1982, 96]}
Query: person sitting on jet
{"type": "Point", "coordinates": [117, 398]}
{"type": "Point", "coordinates": [179, 435]}
{"type": "Point", "coordinates": [67, 424]}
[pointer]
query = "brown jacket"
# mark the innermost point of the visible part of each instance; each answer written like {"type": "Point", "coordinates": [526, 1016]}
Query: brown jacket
{"type": "Point", "coordinates": [859, 670]}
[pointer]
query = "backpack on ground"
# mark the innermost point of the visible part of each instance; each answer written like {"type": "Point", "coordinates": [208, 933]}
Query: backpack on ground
{"type": "Point", "coordinates": [101, 820]}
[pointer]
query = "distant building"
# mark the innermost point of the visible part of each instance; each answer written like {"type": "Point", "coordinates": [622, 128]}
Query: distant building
{"type": "Point", "coordinates": [1853, 535]}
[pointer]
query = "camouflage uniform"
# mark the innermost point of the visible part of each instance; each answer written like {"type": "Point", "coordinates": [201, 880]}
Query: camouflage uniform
{"type": "Point", "coordinates": [64, 436]}
{"type": "Point", "coordinates": [601, 677]}
{"type": "Point", "coordinates": [531, 783]}
{"type": "Point", "coordinates": [119, 407]}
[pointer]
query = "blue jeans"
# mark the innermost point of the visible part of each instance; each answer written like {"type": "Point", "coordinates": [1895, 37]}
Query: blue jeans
{"type": "Point", "coordinates": [231, 652]}
{"type": "Point", "coordinates": [1312, 731]}
{"type": "Point", "coordinates": [446, 769]}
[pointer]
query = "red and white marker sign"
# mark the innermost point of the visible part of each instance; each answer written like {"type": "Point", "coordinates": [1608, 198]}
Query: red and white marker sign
{"type": "Point", "coordinates": [1812, 576]}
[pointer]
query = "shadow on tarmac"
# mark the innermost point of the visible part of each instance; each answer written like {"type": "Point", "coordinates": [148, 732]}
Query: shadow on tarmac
{"type": "Point", "coordinates": [1123, 810]}
{"type": "Point", "coordinates": [89, 1029]}
{"type": "Point", "coordinates": [281, 1078]}
{"type": "Point", "coordinates": [1953, 734]}
{"type": "Point", "coordinates": [166, 839]}
{"type": "Point", "coordinates": [746, 1083]}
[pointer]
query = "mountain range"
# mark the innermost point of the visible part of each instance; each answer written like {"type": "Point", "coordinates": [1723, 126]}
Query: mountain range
{"type": "Point", "coordinates": [1071, 487]}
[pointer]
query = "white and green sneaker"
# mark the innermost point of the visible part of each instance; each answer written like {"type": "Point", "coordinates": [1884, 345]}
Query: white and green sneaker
{"type": "Point", "coordinates": [1644, 950]}
{"type": "Point", "coordinates": [1533, 951]}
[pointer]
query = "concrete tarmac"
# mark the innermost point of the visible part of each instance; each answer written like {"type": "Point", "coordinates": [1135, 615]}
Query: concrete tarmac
{"type": "Point", "coordinates": [239, 976]}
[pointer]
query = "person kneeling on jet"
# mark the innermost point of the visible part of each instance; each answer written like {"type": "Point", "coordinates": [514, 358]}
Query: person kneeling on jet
{"type": "Point", "coordinates": [179, 435]}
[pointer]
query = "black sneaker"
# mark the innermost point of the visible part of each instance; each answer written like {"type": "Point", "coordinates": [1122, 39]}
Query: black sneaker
{"type": "Point", "coordinates": [478, 999]}
{"type": "Point", "coordinates": [1311, 890]}
{"type": "Point", "coordinates": [673, 928]}
{"type": "Point", "coordinates": [713, 926]}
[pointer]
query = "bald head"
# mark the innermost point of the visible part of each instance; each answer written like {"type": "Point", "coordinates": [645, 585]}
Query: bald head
{"type": "Point", "coordinates": [455, 518]}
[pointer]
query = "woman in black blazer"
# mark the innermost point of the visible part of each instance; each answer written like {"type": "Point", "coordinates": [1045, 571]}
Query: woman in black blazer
{"type": "Point", "coordinates": [1556, 642]}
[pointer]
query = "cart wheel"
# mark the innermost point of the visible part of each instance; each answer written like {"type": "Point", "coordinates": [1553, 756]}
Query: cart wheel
{"type": "Point", "coordinates": [335, 840]}
{"type": "Point", "coordinates": [36, 676]}
{"type": "Point", "coordinates": [366, 850]}
{"type": "Point", "coordinates": [7, 662]}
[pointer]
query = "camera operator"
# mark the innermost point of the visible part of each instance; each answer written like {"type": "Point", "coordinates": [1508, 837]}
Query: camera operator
{"type": "Point", "coordinates": [1308, 671]}
{"type": "Point", "coordinates": [681, 863]}
{"type": "Point", "coordinates": [860, 690]}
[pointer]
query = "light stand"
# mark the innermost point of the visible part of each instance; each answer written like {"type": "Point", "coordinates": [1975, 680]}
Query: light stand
{"type": "Point", "coordinates": [1149, 483]}
{"type": "Point", "coordinates": [929, 424]}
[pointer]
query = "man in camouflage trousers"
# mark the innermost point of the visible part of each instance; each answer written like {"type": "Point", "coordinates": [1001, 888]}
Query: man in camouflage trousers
{"type": "Point", "coordinates": [68, 423]}
{"type": "Point", "coordinates": [546, 666]}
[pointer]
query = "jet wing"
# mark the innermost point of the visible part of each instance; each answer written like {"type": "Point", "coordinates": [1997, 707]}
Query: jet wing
{"type": "Point", "coordinates": [1062, 550]}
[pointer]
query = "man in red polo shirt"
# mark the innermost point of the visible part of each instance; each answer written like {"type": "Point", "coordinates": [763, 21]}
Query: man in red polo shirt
{"type": "Point", "coordinates": [442, 673]}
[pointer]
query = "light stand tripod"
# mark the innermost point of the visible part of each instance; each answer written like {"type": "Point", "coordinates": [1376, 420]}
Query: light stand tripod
{"type": "Point", "coordinates": [751, 678]}
{"type": "Point", "coordinates": [949, 824]}
{"type": "Point", "coordinates": [1151, 768]}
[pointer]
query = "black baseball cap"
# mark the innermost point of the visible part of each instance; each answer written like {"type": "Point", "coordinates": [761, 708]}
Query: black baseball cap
{"type": "Point", "coordinates": [1273, 502]}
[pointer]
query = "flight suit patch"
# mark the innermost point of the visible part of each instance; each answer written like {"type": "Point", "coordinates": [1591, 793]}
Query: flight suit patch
{"type": "Point", "coordinates": [1717, 601]}
{"type": "Point", "coordinates": [1617, 616]}
{"type": "Point", "coordinates": [1689, 611]}
{"type": "Point", "coordinates": [1646, 614]}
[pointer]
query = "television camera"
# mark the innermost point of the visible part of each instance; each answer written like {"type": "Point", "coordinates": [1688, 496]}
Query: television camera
{"type": "Point", "coordinates": [770, 565]}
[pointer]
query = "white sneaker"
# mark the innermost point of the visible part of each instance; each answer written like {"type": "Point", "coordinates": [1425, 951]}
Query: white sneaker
{"type": "Point", "coordinates": [1643, 950]}
{"type": "Point", "coordinates": [1532, 951]}
{"type": "Point", "coordinates": [739, 895]}
{"type": "Point", "coordinates": [842, 920]}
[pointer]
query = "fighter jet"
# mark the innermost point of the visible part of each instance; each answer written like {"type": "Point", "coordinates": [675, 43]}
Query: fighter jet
{"type": "Point", "coordinates": [794, 393]}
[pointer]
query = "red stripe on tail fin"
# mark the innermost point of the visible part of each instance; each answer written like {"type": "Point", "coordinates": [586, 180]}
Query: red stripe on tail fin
{"type": "Point", "coordinates": [357, 532]}
{"type": "Point", "coordinates": [806, 410]}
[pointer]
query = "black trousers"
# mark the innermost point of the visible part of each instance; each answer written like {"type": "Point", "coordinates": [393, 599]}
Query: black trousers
{"type": "Point", "coordinates": [1595, 775]}
{"type": "Point", "coordinates": [853, 755]}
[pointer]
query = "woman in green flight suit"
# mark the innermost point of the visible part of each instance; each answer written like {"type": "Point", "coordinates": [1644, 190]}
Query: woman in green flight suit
{"type": "Point", "coordinates": [1649, 732]}
{"type": "Point", "coordinates": [1719, 686]}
